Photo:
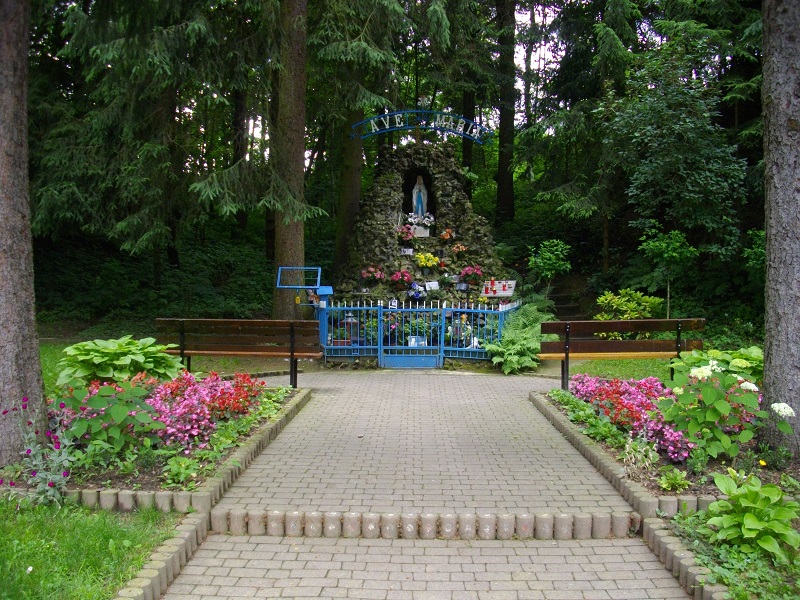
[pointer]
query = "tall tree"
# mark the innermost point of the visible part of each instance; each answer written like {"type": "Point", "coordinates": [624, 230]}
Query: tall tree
{"type": "Point", "coordinates": [288, 147]}
{"type": "Point", "coordinates": [20, 371]}
{"type": "Point", "coordinates": [508, 96]}
{"type": "Point", "coordinates": [781, 99]}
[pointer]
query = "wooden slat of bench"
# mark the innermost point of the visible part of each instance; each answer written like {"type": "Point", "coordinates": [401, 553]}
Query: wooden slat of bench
{"type": "Point", "coordinates": [577, 328]}
{"type": "Point", "coordinates": [211, 326]}
{"type": "Point", "coordinates": [281, 354]}
{"type": "Point", "coordinates": [605, 355]}
{"type": "Point", "coordinates": [595, 346]}
{"type": "Point", "coordinates": [191, 339]}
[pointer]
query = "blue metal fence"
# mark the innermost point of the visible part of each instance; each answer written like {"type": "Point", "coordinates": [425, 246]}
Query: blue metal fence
{"type": "Point", "coordinates": [410, 335]}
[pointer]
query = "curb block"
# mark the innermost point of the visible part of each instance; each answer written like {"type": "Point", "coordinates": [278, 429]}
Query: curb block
{"type": "Point", "coordinates": [410, 526]}
{"type": "Point", "coordinates": [655, 532]}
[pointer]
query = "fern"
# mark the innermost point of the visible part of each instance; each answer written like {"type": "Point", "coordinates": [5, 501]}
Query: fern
{"type": "Point", "coordinates": [521, 341]}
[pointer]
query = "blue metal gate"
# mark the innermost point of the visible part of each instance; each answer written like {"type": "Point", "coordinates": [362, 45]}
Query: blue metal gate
{"type": "Point", "coordinates": [410, 336]}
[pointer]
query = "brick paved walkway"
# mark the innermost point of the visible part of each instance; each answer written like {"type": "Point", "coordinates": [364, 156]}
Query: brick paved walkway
{"type": "Point", "coordinates": [422, 441]}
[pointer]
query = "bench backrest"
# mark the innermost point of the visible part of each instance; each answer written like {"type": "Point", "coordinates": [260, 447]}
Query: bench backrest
{"type": "Point", "coordinates": [581, 336]}
{"type": "Point", "coordinates": [239, 335]}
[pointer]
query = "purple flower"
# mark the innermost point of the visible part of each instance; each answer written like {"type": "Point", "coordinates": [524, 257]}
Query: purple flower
{"type": "Point", "coordinates": [50, 484]}
{"type": "Point", "coordinates": [33, 473]}
{"type": "Point", "coordinates": [61, 405]}
{"type": "Point", "coordinates": [28, 451]}
{"type": "Point", "coordinates": [65, 474]}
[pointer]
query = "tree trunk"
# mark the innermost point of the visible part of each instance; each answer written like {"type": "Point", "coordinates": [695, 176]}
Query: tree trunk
{"type": "Point", "coordinates": [239, 123]}
{"type": "Point", "coordinates": [467, 145]}
{"type": "Point", "coordinates": [289, 147]}
{"type": "Point", "coordinates": [20, 370]}
{"type": "Point", "coordinates": [508, 92]}
{"type": "Point", "coordinates": [350, 192]}
{"type": "Point", "coordinates": [781, 99]}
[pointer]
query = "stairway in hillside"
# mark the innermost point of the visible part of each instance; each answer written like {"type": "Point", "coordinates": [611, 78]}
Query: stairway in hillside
{"type": "Point", "coordinates": [566, 300]}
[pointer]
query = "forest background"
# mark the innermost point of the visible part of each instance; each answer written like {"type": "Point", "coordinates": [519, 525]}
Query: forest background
{"type": "Point", "coordinates": [157, 188]}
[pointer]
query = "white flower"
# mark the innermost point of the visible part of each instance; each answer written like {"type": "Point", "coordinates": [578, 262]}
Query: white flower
{"type": "Point", "coordinates": [748, 386]}
{"type": "Point", "coordinates": [677, 391]}
{"type": "Point", "coordinates": [30, 569]}
{"type": "Point", "coordinates": [700, 372]}
{"type": "Point", "coordinates": [712, 364]}
{"type": "Point", "coordinates": [783, 410]}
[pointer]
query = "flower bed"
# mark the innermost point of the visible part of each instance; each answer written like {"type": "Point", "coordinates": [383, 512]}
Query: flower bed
{"type": "Point", "coordinates": [141, 434]}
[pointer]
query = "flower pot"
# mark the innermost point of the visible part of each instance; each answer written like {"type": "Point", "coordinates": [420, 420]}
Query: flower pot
{"type": "Point", "coordinates": [340, 342]}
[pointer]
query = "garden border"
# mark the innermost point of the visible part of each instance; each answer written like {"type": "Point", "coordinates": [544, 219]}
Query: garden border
{"type": "Point", "coordinates": [656, 533]}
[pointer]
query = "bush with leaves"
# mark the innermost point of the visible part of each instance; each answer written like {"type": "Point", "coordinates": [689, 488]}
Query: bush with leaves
{"type": "Point", "coordinates": [517, 349]}
{"type": "Point", "coordinates": [718, 411]}
{"type": "Point", "coordinates": [752, 514]}
{"type": "Point", "coordinates": [117, 414]}
{"type": "Point", "coordinates": [745, 362]}
{"type": "Point", "coordinates": [116, 360]}
{"type": "Point", "coordinates": [548, 260]}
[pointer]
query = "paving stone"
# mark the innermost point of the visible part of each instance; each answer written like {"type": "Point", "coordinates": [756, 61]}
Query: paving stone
{"type": "Point", "coordinates": [389, 442]}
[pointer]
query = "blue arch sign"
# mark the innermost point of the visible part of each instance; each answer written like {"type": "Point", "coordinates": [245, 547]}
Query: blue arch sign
{"type": "Point", "coordinates": [405, 120]}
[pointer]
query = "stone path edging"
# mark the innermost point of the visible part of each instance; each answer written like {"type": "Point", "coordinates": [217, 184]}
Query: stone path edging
{"type": "Point", "coordinates": [669, 549]}
{"type": "Point", "coordinates": [427, 526]}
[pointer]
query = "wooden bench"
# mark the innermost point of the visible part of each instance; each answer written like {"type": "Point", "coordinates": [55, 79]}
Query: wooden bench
{"type": "Point", "coordinates": [242, 337]}
{"type": "Point", "coordinates": [579, 340]}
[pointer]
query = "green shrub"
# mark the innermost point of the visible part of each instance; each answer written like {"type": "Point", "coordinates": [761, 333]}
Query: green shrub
{"type": "Point", "coordinates": [517, 349]}
{"type": "Point", "coordinates": [717, 411]}
{"type": "Point", "coordinates": [116, 415]}
{"type": "Point", "coordinates": [627, 304]}
{"type": "Point", "coordinates": [549, 260]}
{"type": "Point", "coordinates": [746, 362]}
{"type": "Point", "coordinates": [116, 360]}
{"type": "Point", "coordinates": [752, 513]}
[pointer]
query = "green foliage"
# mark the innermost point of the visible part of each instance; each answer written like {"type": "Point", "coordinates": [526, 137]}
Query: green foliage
{"type": "Point", "coordinates": [520, 343]}
{"type": "Point", "coordinates": [73, 553]}
{"type": "Point", "coordinates": [670, 253]}
{"type": "Point", "coordinates": [752, 514]}
{"type": "Point", "coordinates": [638, 458]}
{"type": "Point", "coordinates": [746, 362]}
{"type": "Point", "coordinates": [180, 472]}
{"type": "Point", "coordinates": [117, 360]}
{"type": "Point", "coordinates": [747, 575]}
{"type": "Point", "coordinates": [116, 415]}
{"type": "Point", "coordinates": [661, 136]}
{"type": "Point", "coordinates": [597, 427]}
{"type": "Point", "coordinates": [717, 412]}
{"type": "Point", "coordinates": [697, 461]}
{"type": "Point", "coordinates": [549, 260]}
{"type": "Point", "coordinates": [672, 479]}
{"type": "Point", "coordinates": [603, 430]}
{"type": "Point", "coordinates": [627, 304]}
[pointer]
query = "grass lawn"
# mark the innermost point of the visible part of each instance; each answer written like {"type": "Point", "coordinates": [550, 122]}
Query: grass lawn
{"type": "Point", "coordinates": [73, 553]}
{"type": "Point", "coordinates": [625, 369]}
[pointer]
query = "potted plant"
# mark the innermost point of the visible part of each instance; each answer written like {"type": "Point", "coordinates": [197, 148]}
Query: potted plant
{"type": "Point", "coordinates": [340, 337]}
{"type": "Point", "coordinates": [373, 275]}
{"type": "Point", "coordinates": [473, 275]}
{"type": "Point", "coordinates": [426, 261]}
{"type": "Point", "coordinates": [401, 279]}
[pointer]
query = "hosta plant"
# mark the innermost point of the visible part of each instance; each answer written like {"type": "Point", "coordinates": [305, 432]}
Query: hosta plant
{"type": "Point", "coordinates": [752, 514]}
{"type": "Point", "coordinates": [116, 360]}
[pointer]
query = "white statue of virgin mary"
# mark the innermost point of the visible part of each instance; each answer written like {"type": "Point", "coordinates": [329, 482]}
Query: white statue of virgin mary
{"type": "Point", "coordinates": [419, 198]}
